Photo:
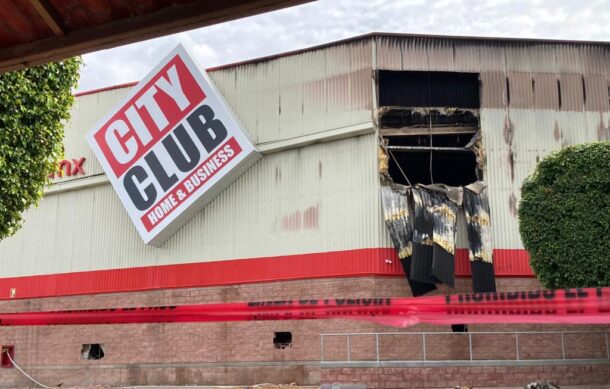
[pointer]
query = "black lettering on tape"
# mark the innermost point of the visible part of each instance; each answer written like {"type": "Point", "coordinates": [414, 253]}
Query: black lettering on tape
{"type": "Point", "coordinates": [534, 295]}
{"type": "Point", "coordinates": [548, 294]}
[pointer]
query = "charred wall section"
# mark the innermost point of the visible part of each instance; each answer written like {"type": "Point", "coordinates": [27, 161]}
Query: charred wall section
{"type": "Point", "coordinates": [430, 137]}
{"type": "Point", "coordinates": [428, 89]}
{"type": "Point", "coordinates": [427, 122]}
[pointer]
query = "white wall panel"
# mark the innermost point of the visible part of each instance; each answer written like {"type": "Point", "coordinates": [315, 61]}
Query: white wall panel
{"type": "Point", "coordinates": [301, 94]}
{"type": "Point", "coordinates": [535, 134]}
{"type": "Point", "coordinates": [262, 214]}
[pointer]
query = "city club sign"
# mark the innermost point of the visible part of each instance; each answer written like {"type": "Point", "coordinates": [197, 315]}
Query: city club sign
{"type": "Point", "coordinates": [170, 147]}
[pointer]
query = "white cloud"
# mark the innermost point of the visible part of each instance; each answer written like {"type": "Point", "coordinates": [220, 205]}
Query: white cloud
{"type": "Point", "coordinates": [328, 20]}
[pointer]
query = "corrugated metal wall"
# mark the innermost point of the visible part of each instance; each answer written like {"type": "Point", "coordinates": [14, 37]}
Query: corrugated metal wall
{"type": "Point", "coordinates": [519, 132]}
{"type": "Point", "coordinates": [312, 199]}
{"type": "Point", "coordinates": [323, 197]}
{"type": "Point", "coordinates": [298, 95]}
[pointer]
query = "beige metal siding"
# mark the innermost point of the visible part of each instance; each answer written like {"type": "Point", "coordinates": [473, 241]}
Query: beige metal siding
{"type": "Point", "coordinates": [517, 134]}
{"type": "Point", "coordinates": [534, 135]}
{"type": "Point", "coordinates": [297, 95]}
{"type": "Point", "coordinates": [88, 229]}
{"type": "Point", "coordinates": [310, 95]}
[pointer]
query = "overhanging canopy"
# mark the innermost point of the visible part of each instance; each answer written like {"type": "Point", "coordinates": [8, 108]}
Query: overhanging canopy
{"type": "Point", "coordinates": [38, 31]}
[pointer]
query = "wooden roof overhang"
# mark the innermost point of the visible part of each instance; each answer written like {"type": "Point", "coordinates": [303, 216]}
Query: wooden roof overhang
{"type": "Point", "coordinates": [33, 32]}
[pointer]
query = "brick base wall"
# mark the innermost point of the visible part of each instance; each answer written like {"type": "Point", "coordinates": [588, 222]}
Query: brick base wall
{"type": "Point", "coordinates": [444, 377]}
{"type": "Point", "coordinates": [208, 353]}
{"type": "Point", "coordinates": [159, 376]}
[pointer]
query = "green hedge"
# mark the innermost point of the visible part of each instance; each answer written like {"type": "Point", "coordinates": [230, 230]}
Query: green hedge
{"type": "Point", "coordinates": [34, 102]}
{"type": "Point", "coordinates": [564, 217]}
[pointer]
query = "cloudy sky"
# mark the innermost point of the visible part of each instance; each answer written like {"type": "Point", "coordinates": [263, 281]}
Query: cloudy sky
{"type": "Point", "coordinates": [328, 20]}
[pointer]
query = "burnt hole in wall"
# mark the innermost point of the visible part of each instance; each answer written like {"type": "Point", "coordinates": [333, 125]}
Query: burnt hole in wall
{"type": "Point", "coordinates": [422, 166]}
{"type": "Point", "coordinates": [92, 351]}
{"type": "Point", "coordinates": [430, 125]}
{"type": "Point", "coordinates": [282, 340]}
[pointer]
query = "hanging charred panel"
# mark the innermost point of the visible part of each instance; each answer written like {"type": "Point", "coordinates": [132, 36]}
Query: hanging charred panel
{"type": "Point", "coordinates": [398, 219]}
{"type": "Point", "coordinates": [423, 224]}
{"type": "Point", "coordinates": [428, 89]}
{"type": "Point", "coordinates": [444, 214]}
{"type": "Point", "coordinates": [478, 222]}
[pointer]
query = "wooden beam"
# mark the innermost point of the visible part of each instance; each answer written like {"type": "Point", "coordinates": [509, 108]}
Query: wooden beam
{"type": "Point", "coordinates": [168, 20]}
{"type": "Point", "coordinates": [412, 131]}
{"type": "Point", "coordinates": [50, 16]}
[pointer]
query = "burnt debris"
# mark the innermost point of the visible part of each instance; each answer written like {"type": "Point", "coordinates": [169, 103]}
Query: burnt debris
{"type": "Point", "coordinates": [422, 222]}
{"type": "Point", "coordinates": [399, 218]}
{"type": "Point", "coordinates": [423, 227]}
{"type": "Point", "coordinates": [480, 252]}
{"type": "Point", "coordinates": [429, 127]}
{"type": "Point", "coordinates": [444, 214]}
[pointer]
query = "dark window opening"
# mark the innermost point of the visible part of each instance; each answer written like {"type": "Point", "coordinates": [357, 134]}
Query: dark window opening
{"type": "Point", "coordinates": [430, 123]}
{"type": "Point", "coordinates": [453, 166]}
{"type": "Point", "coordinates": [92, 351]}
{"type": "Point", "coordinates": [282, 340]}
{"type": "Point", "coordinates": [428, 89]}
{"type": "Point", "coordinates": [507, 91]}
{"type": "Point", "coordinates": [5, 361]}
{"type": "Point", "coordinates": [584, 90]}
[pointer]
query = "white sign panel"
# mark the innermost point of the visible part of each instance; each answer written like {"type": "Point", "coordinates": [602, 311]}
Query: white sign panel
{"type": "Point", "coordinates": [170, 147]}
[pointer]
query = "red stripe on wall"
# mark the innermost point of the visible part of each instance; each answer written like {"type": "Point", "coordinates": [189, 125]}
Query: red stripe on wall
{"type": "Point", "coordinates": [349, 263]}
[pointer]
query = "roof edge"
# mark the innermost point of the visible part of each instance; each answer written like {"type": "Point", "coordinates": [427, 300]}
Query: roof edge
{"type": "Point", "coordinates": [370, 35]}
{"type": "Point", "coordinates": [106, 88]}
{"type": "Point", "coordinates": [407, 35]}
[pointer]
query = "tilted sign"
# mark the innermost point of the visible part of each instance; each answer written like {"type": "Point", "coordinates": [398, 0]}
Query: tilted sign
{"type": "Point", "coordinates": [170, 147]}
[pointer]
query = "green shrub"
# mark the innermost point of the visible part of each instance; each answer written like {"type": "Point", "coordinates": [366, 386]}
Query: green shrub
{"type": "Point", "coordinates": [564, 217]}
{"type": "Point", "coordinates": [34, 102]}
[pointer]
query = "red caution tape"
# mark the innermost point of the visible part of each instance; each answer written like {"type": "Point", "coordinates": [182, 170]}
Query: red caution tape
{"type": "Point", "coordinates": [567, 306]}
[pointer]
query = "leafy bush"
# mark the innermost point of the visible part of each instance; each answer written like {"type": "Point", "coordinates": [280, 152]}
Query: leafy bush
{"type": "Point", "coordinates": [34, 102]}
{"type": "Point", "coordinates": [564, 217]}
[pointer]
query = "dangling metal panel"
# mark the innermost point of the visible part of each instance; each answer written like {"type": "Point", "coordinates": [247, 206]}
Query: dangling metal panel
{"type": "Point", "coordinates": [399, 221]}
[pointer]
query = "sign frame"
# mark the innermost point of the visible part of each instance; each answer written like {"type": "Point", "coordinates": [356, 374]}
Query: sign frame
{"type": "Point", "coordinates": [236, 151]}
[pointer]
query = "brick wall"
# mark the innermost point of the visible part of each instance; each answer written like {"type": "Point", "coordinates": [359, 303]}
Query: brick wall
{"type": "Point", "coordinates": [221, 353]}
{"type": "Point", "coordinates": [444, 377]}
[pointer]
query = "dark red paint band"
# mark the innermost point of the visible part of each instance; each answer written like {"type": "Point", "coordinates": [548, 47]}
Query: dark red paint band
{"type": "Point", "coordinates": [565, 306]}
{"type": "Point", "coordinates": [348, 263]}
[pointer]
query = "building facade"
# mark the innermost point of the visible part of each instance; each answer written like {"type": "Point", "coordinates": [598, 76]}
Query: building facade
{"type": "Point", "coordinates": [306, 221]}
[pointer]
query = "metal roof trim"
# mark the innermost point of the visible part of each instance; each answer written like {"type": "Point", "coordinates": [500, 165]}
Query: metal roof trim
{"type": "Point", "coordinates": [406, 35]}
